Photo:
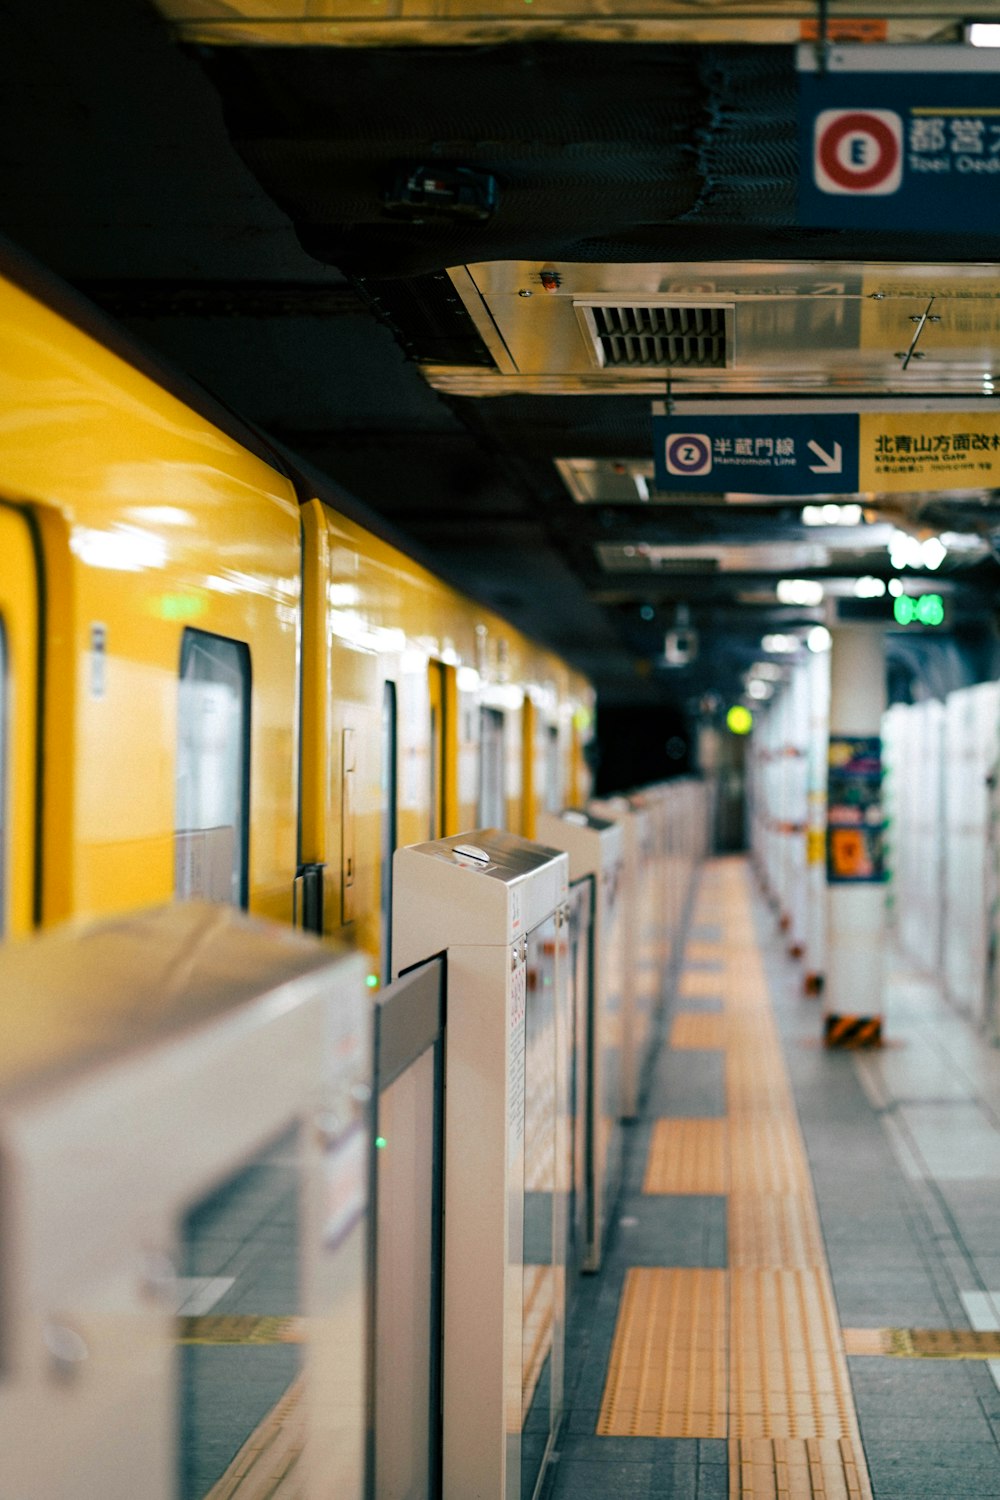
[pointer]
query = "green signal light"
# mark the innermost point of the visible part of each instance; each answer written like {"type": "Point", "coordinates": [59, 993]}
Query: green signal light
{"type": "Point", "coordinates": [380, 1143]}
{"type": "Point", "coordinates": [180, 606]}
{"type": "Point", "coordinates": [371, 980]}
{"type": "Point", "coordinates": [924, 609]}
{"type": "Point", "coordinates": [739, 720]}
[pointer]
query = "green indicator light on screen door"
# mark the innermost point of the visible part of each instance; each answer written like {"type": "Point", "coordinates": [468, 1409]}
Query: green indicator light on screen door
{"type": "Point", "coordinates": [739, 720]}
{"type": "Point", "coordinates": [380, 1143]}
{"type": "Point", "coordinates": [925, 609]}
{"type": "Point", "coordinates": [371, 980]}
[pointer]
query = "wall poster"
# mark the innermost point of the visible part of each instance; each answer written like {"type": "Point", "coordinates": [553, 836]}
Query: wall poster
{"type": "Point", "coordinates": [854, 810]}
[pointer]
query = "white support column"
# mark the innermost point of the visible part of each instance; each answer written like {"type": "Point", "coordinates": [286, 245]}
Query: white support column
{"type": "Point", "coordinates": [855, 897]}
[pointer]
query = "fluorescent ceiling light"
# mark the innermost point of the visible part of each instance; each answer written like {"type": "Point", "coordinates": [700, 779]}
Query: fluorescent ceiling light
{"type": "Point", "coordinates": [767, 671]}
{"type": "Point", "coordinates": [832, 515]}
{"type": "Point", "coordinates": [780, 644]}
{"type": "Point", "coordinates": [869, 588]}
{"type": "Point", "coordinates": [983, 34]}
{"type": "Point", "coordinates": [804, 591]}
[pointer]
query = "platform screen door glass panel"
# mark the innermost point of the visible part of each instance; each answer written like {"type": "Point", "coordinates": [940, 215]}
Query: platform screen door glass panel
{"type": "Point", "coordinates": [389, 828]}
{"type": "Point", "coordinates": [240, 1406]}
{"type": "Point", "coordinates": [213, 770]}
{"type": "Point", "coordinates": [579, 1107]}
{"type": "Point", "coordinates": [539, 1305]}
{"type": "Point", "coordinates": [406, 1277]}
{"type": "Point", "coordinates": [3, 780]}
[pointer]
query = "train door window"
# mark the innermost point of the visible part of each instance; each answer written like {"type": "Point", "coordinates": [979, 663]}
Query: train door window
{"type": "Point", "coordinates": [553, 770]}
{"type": "Point", "coordinates": [492, 803]}
{"type": "Point", "coordinates": [389, 829]}
{"type": "Point", "coordinates": [213, 770]}
{"type": "Point", "coordinates": [3, 780]}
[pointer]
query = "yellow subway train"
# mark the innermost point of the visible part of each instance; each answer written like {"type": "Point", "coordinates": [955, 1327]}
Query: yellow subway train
{"type": "Point", "coordinates": [214, 682]}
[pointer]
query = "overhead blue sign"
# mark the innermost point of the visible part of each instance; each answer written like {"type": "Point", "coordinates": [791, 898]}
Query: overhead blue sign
{"type": "Point", "coordinates": [757, 455]}
{"type": "Point", "coordinates": [900, 138]}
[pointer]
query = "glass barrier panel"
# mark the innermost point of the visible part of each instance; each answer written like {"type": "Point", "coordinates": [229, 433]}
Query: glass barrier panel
{"type": "Point", "coordinates": [239, 1331]}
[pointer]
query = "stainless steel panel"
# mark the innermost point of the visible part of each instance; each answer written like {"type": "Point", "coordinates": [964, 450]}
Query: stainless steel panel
{"type": "Point", "coordinates": [789, 325]}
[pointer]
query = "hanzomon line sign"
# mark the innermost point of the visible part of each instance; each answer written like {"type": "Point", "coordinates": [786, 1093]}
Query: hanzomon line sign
{"type": "Point", "coordinates": [758, 455]}
{"type": "Point", "coordinates": [900, 138]}
{"type": "Point", "coordinates": [826, 453]}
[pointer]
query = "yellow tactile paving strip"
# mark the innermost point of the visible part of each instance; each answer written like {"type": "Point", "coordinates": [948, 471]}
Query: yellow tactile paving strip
{"type": "Point", "coordinates": [765, 1160]}
{"type": "Point", "coordinates": [700, 984]}
{"type": "Point", "coordinates": [667, 1376]}
{"type": "Point", "coordinates": [698, 1031]}
{"type": "Point", "coordinates": [539, 1312]}
{"type": "Point", "coordinates": [787, 1373]}
{"type": "Point", "coordinates": [688, 1156]}
{"type": "Point", "coordinates": [240, 1328]}
{"type": "Point", "coordinates": [923, 1343]}
{"type": "Point", "coordinates": [704, 953]}
{"type": "Point", "coordinates": [772, 1469]}
{"type": "Point", "coordinates": [266, 1467]}
{"type": "Point", "coordinates": [770, 1229]}
{"type": "Point", "coordinates": [786, 1406]}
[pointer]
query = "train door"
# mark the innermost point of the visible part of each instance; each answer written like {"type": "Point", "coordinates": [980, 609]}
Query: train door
{"type": "Point", "coordinates": [211, 840]}
{"type": "Point", "coordinates": [19, 708]}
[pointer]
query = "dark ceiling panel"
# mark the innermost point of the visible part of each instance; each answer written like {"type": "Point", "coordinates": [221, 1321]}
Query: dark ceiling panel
{"type": "Point", "coordinates": [118, 172]}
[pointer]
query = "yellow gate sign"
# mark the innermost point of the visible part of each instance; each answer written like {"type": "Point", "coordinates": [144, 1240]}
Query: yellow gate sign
{"type": "Point", "coordinates": [929, 450]}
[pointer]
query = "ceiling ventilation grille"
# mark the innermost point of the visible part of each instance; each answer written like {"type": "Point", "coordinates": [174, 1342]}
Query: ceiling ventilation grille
{"type": "Point", "coordinates": [630, 335]}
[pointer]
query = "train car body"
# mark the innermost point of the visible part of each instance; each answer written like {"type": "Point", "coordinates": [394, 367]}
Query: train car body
{"type": "Point", "coordinates": [216, 684]}
{"type": "Point", "coordinates": [141, 545]}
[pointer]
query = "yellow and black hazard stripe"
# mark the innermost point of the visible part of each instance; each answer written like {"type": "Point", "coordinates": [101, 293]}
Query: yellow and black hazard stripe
{"type": "Point", "coordinates": [852, 1031]}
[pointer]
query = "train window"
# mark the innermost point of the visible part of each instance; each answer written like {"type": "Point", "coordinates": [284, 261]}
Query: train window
{"type": "Point", "coordinates": [3, 780]}
{"type": "Point", "coordinates": [492, 803]}
{"type": "Point", "coordinates": [211, 845]}
{"type": "Point", "coordinates": [389, 830]}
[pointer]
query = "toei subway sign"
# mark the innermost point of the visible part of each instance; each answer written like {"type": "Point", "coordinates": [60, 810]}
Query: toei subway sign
{"type": "Point", "coordinates": [900, 138]}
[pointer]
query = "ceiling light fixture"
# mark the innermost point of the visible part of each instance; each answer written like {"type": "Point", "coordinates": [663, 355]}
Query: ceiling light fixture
{"type": "Point", "coordinates": [767, 671]}
{"type": "Point", "coordinates": [804, 591]}
{"type": "Point", "coordinates": [780, 644]}
{"type": "Point", "coordinates": [819, 639]}
{"type": "Point", "coordinates": [983, 34]}
{"type": "Point", "coordinates": [832, 515]}
{"type": "Point", "coordinates": [907, 551]}
{"type": "Point", "coordinates": [869, 588]}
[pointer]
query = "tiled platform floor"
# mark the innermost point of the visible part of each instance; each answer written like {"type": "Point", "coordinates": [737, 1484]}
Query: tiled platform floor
{"type": "Point", "coordinates": [903, 1148]}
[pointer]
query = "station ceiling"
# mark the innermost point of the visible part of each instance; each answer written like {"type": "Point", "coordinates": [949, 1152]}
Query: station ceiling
{"type": "Point", "coordinates": [236, 206]}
